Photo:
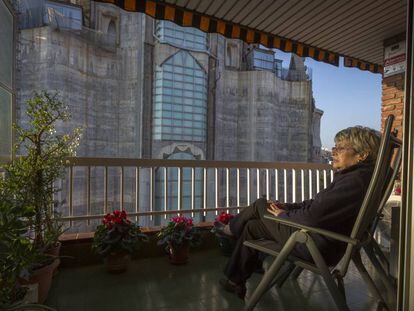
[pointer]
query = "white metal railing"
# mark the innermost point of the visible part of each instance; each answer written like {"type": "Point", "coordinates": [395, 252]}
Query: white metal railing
{"type": "Point", "coordinates": [152, 189]}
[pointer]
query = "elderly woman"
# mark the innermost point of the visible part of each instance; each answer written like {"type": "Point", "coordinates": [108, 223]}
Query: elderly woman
{"type": "Point", "coordinates": [334, 208]}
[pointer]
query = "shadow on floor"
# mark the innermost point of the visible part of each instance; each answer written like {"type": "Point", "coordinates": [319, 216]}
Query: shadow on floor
{"type": "Point", "coordinates": [154, 284]}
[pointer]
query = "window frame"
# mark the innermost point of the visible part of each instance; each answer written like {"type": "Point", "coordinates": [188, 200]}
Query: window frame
{"type": "Point", "coordinates": [12, 90]}
{"type": "Point", "coordinates": [181, 111]}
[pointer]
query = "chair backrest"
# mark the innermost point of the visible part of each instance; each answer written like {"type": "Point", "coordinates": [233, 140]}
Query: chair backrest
{"type": "Point", "coordinates": [389, 186]}
{"type": "Point", "coordinates": [385, 170]}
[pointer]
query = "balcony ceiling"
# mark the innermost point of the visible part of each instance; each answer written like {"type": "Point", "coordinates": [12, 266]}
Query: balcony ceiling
{"type": "Point", "coordinates": [321, 29]}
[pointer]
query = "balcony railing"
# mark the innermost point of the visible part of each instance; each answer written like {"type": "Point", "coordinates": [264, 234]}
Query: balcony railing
{"type": "Point", "coordinates": [152, 189]}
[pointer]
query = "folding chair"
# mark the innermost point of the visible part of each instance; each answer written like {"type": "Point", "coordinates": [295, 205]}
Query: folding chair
{"type": "Point", "coordinates": [359, 237]}
{"type": "Point", "coordinates": [370, 245]}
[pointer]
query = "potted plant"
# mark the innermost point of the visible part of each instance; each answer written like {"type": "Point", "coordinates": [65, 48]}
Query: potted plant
{"type": "Point", "coordinates": [226, 243]}
{"type": "Point", "coordinates": [116, 239]}
{"type": "Point", "coordinates": [177, 237]}
{"type": "Point", "coordinates": [30, 177]}
{"type": "Point", "coordinates": [17, 256]}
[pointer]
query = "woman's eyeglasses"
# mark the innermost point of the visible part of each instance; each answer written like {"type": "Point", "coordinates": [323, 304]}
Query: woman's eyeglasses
{"type": "Point", "coordinates": [341, 149]}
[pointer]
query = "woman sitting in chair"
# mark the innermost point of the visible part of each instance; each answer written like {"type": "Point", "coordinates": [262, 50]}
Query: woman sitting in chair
{"type": "Point", "coordinates": [334, 208]}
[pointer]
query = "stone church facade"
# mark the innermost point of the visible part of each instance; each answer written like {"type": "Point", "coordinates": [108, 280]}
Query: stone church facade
{"type": "Point", "coordinates": [142, 89]}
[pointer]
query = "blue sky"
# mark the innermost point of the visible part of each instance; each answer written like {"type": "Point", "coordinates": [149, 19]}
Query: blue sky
{"type": "Point", "coordinates": [348, 97]}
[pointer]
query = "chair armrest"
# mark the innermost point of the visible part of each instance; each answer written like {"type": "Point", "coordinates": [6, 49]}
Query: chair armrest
{"type": "Point", "coordinates": [327, 233]}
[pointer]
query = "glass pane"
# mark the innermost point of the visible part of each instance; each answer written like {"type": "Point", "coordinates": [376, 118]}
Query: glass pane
{"type": "Point", "coordinates": [6, 43]}
{"type": "Point", "coordinates": [191, 38]}
{"type": "Point", "coordinates": [177, 108]}
{"type": "Point", "coordinates": [5, 123]}
{"type": "Point", "coordinates": [166, 121]}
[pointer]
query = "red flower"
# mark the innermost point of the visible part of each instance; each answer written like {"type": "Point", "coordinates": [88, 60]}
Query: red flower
{"type": "Point", "coordinates": [224, 218]}
{"type": "Point", "coordinates": [182, 220]}
{"type": "Point", "coordinates": [117, 217]}
{"type": "Point", "coordinates": [397, 191]}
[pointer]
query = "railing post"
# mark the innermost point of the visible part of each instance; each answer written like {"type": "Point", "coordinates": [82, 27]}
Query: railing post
{"type": "Point", "coordinates": [227, 188]}
{"type": "Point", "coordinates": [293, 185]}
{"type": "Point", "coordinates": [267, 185]}
{"type": "Point", "coordinates": [317, 181]}
{"type": "Point", "coordinates": [310, 185]}
{"type": "Point", "coordinates": [152, 170]}
{"type": "Point", "coordinates": [238, 189]}
{"type": "Point", "coordinates": [216, 188]}
{"type": "Point", "coordinates": [302, 183]}
{"type": "Point", "coordinates": [88, 193]}
{"type": "Point", "coordinates": [106, 189]}
{"type": "Point", "coordinates": [179, 189]}
{"type": "Point", "coordinates": [248, 185]}
{"type": "Point", "coordinates": [122, 188]}
{"type": "Point", "coordinates": [204, 191]}
{"type": "Point", "coordinates": [276, 184]}
{"type": "Point", "coordinates": [137, 181]}
{"type": "Point", "coordinates": [258, 183]}
{"type": "Point", "coordinates": [285, 185]}
{"type": "Point", "coordinates": [165, 191]}
{"type": "Point", "coordinates": [71, 193]}
{"type": "Point", "coordinates": [192, 189]}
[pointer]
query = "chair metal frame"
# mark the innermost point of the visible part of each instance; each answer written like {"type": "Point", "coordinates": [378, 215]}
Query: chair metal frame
{"type": "Point", "coordinates": [387, 164]}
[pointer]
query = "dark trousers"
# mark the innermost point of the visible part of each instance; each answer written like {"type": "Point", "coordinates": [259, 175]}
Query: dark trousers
{"type": "Point", "coordinates": [250, 224]}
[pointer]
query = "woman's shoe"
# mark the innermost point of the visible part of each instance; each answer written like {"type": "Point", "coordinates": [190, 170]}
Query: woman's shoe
{"type": "Point", "coordinates": [238, 289]}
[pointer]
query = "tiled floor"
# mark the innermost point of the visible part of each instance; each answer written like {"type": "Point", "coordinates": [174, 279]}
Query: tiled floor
{"type": "Point", "coordinates": [154, 284]}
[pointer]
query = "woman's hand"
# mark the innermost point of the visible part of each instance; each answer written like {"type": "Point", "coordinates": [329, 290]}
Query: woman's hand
{"type": "Point", "coordinates": [275, 208]}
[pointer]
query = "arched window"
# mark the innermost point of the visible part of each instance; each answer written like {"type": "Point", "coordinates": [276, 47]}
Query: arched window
{"type": "Point", "coordinates": [180, 100]}
{"type": "Point", "coordinates": [111, 28]}
{"type": "Point", "coordinates": [228, 55]}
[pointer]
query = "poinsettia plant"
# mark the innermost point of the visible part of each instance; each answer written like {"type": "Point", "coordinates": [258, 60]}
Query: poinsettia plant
{"type": "Point", "coordinates": [224, 217]}
{"type": "Point", "coordinates": [226, 243]}
{"type": "Point", "coordinates": [117, 234]}
{"type": "Point", "coordinates": [179, 230]}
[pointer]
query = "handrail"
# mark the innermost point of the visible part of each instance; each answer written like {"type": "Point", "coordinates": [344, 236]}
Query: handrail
{"type": "Point", "coordinates": [86, 161]}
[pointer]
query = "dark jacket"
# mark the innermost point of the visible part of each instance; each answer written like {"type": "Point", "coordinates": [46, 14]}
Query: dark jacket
{"type": "Point", "coordinates": [334, 208]}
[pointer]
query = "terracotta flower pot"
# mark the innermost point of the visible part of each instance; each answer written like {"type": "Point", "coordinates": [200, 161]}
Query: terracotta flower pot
{"type": "Point", "coordinates": [43, 277]}
{"type": "Point", "coordinates": [54, 252]}
{"type": "Point", "coordinates": [178, 255]}
{"type": "Point", "coordinates": [117, 262]}
{"type": "Point", "coordinates": [226, 244]}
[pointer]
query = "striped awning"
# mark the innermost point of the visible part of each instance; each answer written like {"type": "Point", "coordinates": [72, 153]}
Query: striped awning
{"type": "Point", "coordinates": [352, 29]}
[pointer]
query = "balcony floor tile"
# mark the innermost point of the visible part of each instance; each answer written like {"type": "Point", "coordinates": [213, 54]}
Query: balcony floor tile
{"type": "Point", "coordinates": [154, 284]}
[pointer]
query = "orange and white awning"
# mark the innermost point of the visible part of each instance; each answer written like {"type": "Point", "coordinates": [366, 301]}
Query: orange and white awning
{"type": "Point", "coordinates": [323, 30]}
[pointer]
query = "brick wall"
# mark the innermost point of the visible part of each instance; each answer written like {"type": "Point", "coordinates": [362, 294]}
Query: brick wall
{"type": "Point", "coordinates": [393, 101]}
